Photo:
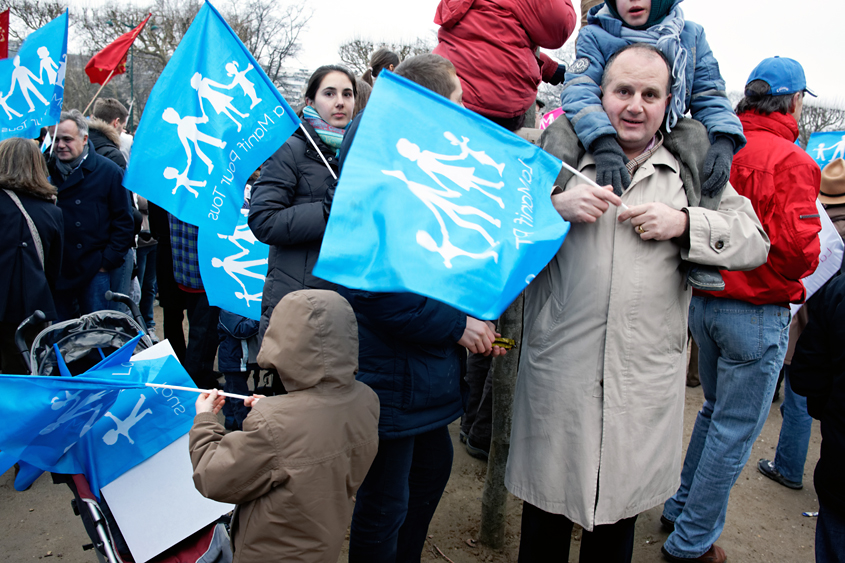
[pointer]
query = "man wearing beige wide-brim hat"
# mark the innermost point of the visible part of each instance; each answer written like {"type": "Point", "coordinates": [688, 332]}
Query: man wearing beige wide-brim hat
{"type": "Point", "coordinates": [833, 184]}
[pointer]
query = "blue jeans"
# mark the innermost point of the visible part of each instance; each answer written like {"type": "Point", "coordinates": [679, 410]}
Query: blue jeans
{"type": "Point", "coordinates": [794, 433]}
{"type": "Point", "coordinates": [146, 260]}
{"type": "Point", "coordinates": [398, 497]}
{"type": "Point", "coordinates": [741, 350]}
{"type": "Point", "coordinates": [830, 536]}
{"type": "Point", "coordinates": [94, 298]}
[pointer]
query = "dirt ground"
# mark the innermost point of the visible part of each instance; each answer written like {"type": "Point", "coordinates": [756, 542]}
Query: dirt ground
{"type": "Point", "coordinates": [764, 521]}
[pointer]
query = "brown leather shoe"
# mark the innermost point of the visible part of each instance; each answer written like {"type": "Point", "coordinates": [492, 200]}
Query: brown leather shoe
{"type": "Point", "coordinates": [713, 555]}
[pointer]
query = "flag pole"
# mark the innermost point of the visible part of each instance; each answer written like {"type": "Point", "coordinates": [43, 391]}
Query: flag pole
{"type": "Point", "coordinates": [591, 182]}
{"type": "Point", "coordinates": [326, 162]}
{"type": "Point", "coordinates": [195, 390]}
{"type": "Point", "coordinates": [103, 85]}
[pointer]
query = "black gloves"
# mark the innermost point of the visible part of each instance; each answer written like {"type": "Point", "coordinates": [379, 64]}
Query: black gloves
{"type": "Point", "coordinates": [610, 164]}
{"type": "Point", "coordinates": [557, 77]}
{"type": "Point", "coordinates": [328, 198]}
{"type": "Point", "coordinates": [717, 166]}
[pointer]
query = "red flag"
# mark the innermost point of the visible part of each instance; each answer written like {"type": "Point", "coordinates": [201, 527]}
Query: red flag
{"type": "Point", "coordinates": [4, 34]}
{"type": "Point", "coordinates": [112, 60]}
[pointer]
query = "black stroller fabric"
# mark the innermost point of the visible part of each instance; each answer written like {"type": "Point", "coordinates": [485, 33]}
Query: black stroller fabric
{"type": "Point", "coordinates": [83, 342]}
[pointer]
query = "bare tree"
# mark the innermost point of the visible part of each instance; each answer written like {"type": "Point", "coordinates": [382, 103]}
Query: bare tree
{"type": "Point", "coordinates": [29, 15]}
{"type": "Point", "coordinates": [548, 93]}
{"type": "Point", "coordinates": [268, 29]}
{"type": "Point", "coordinates": [816, 117]}
{"type": "Point", "coordinates": [355, 53]}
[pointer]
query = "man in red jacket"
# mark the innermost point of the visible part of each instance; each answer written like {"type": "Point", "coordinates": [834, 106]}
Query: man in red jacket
{"type": "Point", "coordinates": [742, 331]}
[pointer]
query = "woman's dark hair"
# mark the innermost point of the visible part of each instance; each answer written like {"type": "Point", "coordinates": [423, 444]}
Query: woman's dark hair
{"type": "Point", "coordinates": [22, 168]}
{"type": "Point", "coordinates": [380, 59]}
{"type": "Point", "coordinates": [758, 99]}
{"type": "Point", "coordinates": [317, 79]}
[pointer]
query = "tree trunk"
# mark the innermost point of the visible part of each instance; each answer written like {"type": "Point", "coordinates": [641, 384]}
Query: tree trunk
{"type": "Point", "coordinates": [494, 499]}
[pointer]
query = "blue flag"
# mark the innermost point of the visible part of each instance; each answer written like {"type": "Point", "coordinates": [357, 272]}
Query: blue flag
{"type": "Point", "coordinates": [434, 199]}
{"type": "Point", "coordinates": [233, 265]}
{"type": "Point", "coordinates": [33, 82]}
{"type": "Point", "coordinates": [44, 417]}
{"type": "Point", "coordinates": [827, 146]}
{"type": "Point", "coordinates": [137, 423]}
{"type": "Point", "coordinates": [211, 120]}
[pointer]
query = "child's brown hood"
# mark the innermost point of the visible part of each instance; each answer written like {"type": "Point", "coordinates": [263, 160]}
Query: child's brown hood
{"type": "Point", "coordinates": [312, 339]}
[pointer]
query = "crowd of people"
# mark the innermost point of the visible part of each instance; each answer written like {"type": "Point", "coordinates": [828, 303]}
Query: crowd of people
{"type": "Point", "coordinates": [703, 218]}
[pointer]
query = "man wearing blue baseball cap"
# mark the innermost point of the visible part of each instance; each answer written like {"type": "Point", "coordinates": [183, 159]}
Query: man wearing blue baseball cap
{"type": "Point", "coordinates": [742, 332]}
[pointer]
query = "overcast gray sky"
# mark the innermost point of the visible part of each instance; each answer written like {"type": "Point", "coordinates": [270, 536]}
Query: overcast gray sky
{"type": "Point", "coordinates": [740, 32]}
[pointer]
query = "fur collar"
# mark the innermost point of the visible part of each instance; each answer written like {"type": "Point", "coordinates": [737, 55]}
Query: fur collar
{"type": "Point", "coordinates": [107, 130]}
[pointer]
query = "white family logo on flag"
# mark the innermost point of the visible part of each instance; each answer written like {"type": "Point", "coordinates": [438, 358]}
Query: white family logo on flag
{"type": "Point", "coordinates": [76, 405]}
{"type": "Point", "coordinates": [123, 426]}
{"type": "Point", "coordinates": [235, 268]}
{"type": "Point", "coordinates": [25, 80]}
{"type": "Point", "coordinates": [465, 177]}
{"type": "Point", "coordinates": [838, 148]}
{"type": "Point", "coordinates": [211, 92]}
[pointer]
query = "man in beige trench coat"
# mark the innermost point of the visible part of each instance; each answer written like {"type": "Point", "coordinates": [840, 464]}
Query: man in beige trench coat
{"type": "Point", "coordinates": [598, 411]}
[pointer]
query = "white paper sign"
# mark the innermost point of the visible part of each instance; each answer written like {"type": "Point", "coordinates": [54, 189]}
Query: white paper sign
{"type": "Point", "coordinates": [155, 503]}
{"type": "Point", "coordinates": [830, 256]}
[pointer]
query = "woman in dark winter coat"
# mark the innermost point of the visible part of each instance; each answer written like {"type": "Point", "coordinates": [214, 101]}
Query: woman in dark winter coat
{"type": "Point", "coordinates": [27, 274]}
{"type": "Point", "coordinates": [286, 209]}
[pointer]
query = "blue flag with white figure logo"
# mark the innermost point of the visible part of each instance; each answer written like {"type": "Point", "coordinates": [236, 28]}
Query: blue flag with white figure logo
{"type": "Point", "coordinates": [137, 423]}
{"type": "Point", "coordinates": [436, 200]}
{"type": "Point", "coordinates": [211, 120]}
{"type": "Point", "coordinates": [826, 147]}
{"type": "Point", "coordinates": [233, 266]}
{"type": "Point", "coordinates": [32, 82]}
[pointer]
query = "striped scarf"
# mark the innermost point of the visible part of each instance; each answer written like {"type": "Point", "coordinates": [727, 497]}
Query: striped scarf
{"type": "Point", "coordinates": [330, 135]}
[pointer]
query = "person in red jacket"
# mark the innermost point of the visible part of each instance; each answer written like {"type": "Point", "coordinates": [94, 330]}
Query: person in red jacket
{"type": "Point", "coordinates": [742, 332]}
{"type": "Point", "coordinates": [494, 46]}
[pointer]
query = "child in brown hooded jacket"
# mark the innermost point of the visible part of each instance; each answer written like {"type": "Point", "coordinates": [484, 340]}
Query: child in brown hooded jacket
{"type": "Point", "coordinates": [301, 457]}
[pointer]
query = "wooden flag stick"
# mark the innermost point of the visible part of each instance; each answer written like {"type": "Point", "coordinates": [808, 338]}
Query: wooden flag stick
{"type": "Point", "coordinates": [195, 390]}
{"type": "Point", "coordinates": [103, 85]}
{"type": "Point", "coordinates": [591, 182]}
{"type": "Point", "coordinates": [326, 162]}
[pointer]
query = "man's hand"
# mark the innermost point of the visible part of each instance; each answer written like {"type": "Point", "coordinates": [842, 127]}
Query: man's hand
{"type": "Point", "coordinates": [610, 164]}
{"type": "Point", "coordinates": [717, 166]}
{"type": "Point", "coordinates": [210, 402]}
{"type": "Point", "coordinates": [584, 203]}
{"type": "Point", "coordinates": [478, 336]}
{"type": "Point", "coordinates": [655, 221]}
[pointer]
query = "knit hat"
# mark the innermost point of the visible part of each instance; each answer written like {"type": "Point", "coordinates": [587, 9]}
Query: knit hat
{"type": "Point", "coordinates": [832, 190]}
{"type": "Point", "coordinates": [659, 10]}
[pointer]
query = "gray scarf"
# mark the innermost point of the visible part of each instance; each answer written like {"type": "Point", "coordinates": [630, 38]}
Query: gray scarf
{"type": "Point", "coordinates": [65, 169]}
{"type": "Point", "coordinates": [666, 36]}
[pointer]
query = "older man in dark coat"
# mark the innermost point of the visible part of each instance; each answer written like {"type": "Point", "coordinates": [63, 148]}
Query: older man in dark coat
{"type": "Point", "coordinates": [98, 221]}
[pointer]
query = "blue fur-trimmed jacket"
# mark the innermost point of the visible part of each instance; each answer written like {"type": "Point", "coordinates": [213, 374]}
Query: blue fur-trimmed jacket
{"type": "Point", "coordinates": [705, 92]}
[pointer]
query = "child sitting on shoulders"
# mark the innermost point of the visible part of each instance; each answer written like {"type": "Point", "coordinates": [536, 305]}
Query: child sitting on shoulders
{"type": "Point", "coordinates": [697, 86]}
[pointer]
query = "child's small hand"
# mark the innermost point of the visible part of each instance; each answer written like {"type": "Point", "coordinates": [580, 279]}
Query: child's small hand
{"type": "Point", "coordinates": [210, 402]}
{"type": "Point", "coordinates": [250, 402]}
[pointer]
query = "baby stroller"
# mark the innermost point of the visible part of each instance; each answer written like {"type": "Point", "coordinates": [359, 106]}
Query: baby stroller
{"type": "Point", "coordinates": [83, 343]}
